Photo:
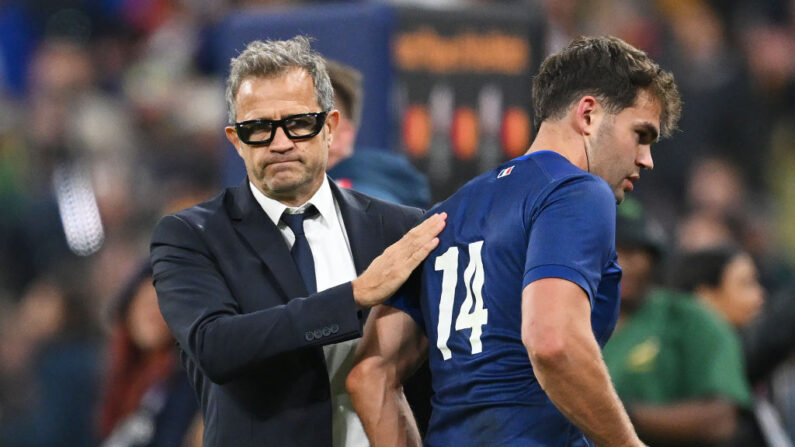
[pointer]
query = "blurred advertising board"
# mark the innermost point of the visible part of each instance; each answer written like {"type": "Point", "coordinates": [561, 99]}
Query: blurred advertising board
{"type": "Point", "coordinates": [462, 89]}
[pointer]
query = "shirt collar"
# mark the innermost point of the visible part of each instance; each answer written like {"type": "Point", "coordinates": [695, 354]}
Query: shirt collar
{"type": "Point", "coordinates": [323, 200]}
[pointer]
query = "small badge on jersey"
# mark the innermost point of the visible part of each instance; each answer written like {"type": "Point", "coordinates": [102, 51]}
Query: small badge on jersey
{"type": "Point", "coordinates": [504, 172]}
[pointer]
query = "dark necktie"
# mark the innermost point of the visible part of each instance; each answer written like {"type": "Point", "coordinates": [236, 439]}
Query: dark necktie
{"type": "Point", "coordinates": [302, 254]}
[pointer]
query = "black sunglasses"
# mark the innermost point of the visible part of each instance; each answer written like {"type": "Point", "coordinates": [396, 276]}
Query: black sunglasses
{"type": "Point", "coordinates": [296, 127]}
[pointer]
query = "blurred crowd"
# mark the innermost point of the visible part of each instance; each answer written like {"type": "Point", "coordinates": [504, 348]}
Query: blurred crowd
{"type": "Point", "coordinates": [112, 114]}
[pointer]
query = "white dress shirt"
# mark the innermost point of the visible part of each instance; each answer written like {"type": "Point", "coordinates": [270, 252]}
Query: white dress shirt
{"type": "Point", "coordinates": [333, 258]}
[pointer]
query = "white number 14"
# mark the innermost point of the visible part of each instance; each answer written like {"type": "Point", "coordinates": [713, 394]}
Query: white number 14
{"type": "Point", "coordinates": [471, 314]}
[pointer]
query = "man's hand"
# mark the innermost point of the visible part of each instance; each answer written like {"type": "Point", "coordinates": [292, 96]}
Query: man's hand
{"type": "Point", "coordinates": [390, 270]}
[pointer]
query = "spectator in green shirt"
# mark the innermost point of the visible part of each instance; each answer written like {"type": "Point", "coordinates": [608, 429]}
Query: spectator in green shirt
{"type": "Point", "coordinates": [725, 279]}
{"type": "Point", "coordinates": [677, 366]}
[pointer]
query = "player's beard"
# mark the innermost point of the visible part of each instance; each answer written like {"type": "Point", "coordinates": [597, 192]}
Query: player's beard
{"type": "Point", "coordinates": [604, 157]}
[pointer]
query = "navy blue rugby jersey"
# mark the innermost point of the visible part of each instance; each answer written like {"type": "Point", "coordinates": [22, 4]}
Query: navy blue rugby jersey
{"type": "Point", "coordinates": [534, 217]}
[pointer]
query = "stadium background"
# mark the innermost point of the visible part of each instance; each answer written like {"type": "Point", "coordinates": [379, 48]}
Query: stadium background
{"type": "Point", "coordinates": [111, 114]}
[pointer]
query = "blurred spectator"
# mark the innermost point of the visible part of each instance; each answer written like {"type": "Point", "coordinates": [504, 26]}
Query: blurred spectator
{"type": "Point", "coordinates": [725, 279]}
{"type": "Point", "coordinates": [715, 186]}
{"type": "Point", "coordinates": [50, 356]}
{"type": "Point", "coordinates": [349, 100]}
{"type": "Point", "coordinates": [724, 214]}
{"type": "Point", "coordinates": [632, 20]}
{"type": "Point", "coordinates": [676, 367]}
{"type": "Point", "coordinates": [722, 210]}
{"type": "Point", "coordinates": [776, 362]}
{"type": "Point", "coordinates": [13, 192]}
{"type": "Point", "coordinates": [701, 229]}
{"type": "Point", "coordinates": [561, 21]}
{"type": "Point", "coordinates": [17, 41]}
{"type": "Point", "coordinates": [770, 354]}
{"type": "Point", "coordinates": [376, 172]}
{"type": "Point", "coordinates": [54, 142]}
{"type": "Point", "coordinates": [719, 105]}
{"type": "Point", "coordinates": [769, 48]}
{"type": "Point", "coordinates": [148, 400]}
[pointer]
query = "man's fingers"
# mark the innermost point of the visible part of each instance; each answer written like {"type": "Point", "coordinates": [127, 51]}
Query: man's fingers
{"type": "Point", "coordinates": [419, 255]}
{"type": "Point", "coordinates": [425, 232]}
{"type": "Point", "coordinates": [387, 272]}
{"type": "Point", "coordinates": [420, 242]}
{"type": "Point", "coordinates": [426, 238]}
{"type": "Point", "coordinates": [434, 224]}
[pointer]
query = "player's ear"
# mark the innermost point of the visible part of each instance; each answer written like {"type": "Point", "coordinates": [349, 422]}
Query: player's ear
{"type": "Point", "coordinates": [585, 115]}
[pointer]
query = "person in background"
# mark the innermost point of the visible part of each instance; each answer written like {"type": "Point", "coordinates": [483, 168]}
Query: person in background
{"type": "Point", "coordinates": [53, 350]}
{"type": "Point", "coordinates": [676, 366]}
{"type": "Point", "coordinates": [148, 400]}
{"type": "Point", "coordinates": [377, 172]}
{"type": "Point", "coordinates": [725, 280]}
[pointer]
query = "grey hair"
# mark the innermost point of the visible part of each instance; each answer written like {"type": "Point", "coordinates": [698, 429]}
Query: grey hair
{"type": "Point", "coordinates": [273, 58]}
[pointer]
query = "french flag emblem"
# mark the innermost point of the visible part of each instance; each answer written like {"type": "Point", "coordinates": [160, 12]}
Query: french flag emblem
{"type": "Point", "coordinates": [504, 172]}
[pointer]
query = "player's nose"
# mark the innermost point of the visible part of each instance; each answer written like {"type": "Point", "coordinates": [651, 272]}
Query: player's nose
{"type": "Point", "coordinates": [644, 159]}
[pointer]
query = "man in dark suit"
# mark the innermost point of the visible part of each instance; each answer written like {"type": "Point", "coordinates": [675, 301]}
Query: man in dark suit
{"type": "Point", "coordinates": [259, 285]}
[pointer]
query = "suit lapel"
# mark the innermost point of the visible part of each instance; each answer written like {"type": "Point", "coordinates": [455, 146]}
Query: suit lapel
{"type": "Point", "coordinates": [365, 230]}
{"type": "Point", "coordinates": [251, 222]}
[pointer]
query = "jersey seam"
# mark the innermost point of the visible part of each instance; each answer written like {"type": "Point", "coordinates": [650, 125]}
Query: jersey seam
{"type": "Point", "coordinates": [585, 280]}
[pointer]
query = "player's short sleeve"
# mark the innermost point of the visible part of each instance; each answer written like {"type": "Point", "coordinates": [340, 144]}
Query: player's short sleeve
{"type": "Point", "coordinates": [407, 298]}
{"type": "Point", "coordinates": [571, 232]}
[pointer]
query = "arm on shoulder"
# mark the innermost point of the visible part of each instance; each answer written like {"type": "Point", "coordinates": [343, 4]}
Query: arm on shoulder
{"type": "Point", "coordinates": [391, 350]}
{"type": "Point", "coordinates": [205, 317]}
{"type": "Point", "coordinates": [567, 361]}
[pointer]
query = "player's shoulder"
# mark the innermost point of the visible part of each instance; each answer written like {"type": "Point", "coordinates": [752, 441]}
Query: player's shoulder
{"type": "Point", "coordinates": [549, 170]}
{"type": "Point", "coordinates": [557, 178]}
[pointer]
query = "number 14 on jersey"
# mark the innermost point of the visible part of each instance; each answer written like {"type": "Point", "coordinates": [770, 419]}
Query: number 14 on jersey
{"type": "Point", "coordinates": [471, 314]}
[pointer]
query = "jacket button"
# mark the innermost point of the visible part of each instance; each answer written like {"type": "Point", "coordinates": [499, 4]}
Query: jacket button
{"type": "Point", "coordinates": [326, 331]}
{"type": "Point", "coordinates": [335, 328]}
{"type": "Point", "coordinates": [317, 333]}
{"type": "Point", "coordinates": [309, 336]}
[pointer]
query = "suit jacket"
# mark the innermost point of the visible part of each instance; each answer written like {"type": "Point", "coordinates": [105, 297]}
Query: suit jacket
{"type": "Point", "coordinates": [249, 336]}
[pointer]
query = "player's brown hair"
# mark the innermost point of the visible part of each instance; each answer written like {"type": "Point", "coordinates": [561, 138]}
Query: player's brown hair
{"type": "Point", "coordinates": [611, 70]}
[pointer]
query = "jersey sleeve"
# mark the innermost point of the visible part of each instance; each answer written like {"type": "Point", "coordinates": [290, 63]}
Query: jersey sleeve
{"type": "Point", "coordinates": [407, 298]}
{"type": "Point", "coordinates": [571, 233]}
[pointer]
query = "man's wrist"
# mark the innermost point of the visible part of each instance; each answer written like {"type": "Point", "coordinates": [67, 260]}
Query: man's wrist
{"type": "Point", "coordinates": [359, 294]}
